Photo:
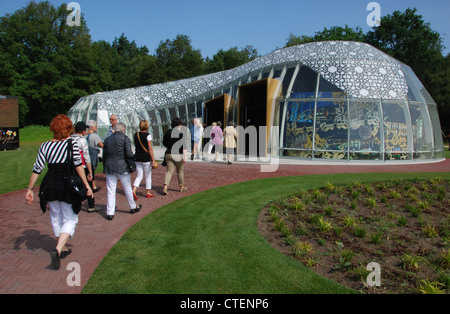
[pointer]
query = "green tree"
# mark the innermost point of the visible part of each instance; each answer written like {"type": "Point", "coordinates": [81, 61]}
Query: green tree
{"type": "Point", "coordinates": [231, 58]}
{"type": "Point", "coordinates": [408, 38]}
{"type": "Point", "coordinates": [177, 59]}
{"type": "Point", "coordinates": [293, 40]}
{"type": "Point", "coordinates": [334, 33]}
{"type": "Point", "coordinates": [124, 54]}
{"type": "Point", "coordinates": [340, 33]}
{"type": "Point", "coordinates": [47, 62]}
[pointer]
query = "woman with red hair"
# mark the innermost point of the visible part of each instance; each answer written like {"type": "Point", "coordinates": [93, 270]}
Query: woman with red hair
{"type": "Point", "coordinates": [63, 205]}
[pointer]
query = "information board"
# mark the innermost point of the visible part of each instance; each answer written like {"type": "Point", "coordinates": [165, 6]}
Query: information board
{"type": "Point", "coordinates": [9, 123]}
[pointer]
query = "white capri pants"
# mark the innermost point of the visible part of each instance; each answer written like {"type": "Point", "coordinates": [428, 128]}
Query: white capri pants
{"type": "Point", "coordinates": [111, 184]}
{"type": "Point", "coordinates": [141, 169]}
{"type": "Point", "coordinates": [63, 219]}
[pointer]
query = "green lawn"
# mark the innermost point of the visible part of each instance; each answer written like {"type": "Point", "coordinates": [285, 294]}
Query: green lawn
{"type": "Point", "coordinates": [16, 165]}
{"type": "Point", "coordinates": [209, 243]}
{"type": "Point", "coordinates": [205, 243]}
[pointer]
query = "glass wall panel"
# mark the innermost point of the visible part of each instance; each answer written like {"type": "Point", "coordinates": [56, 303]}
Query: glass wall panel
{"type": "Point", "coordinates": [395, 130]}
{"type": "Point", "coordinates": [299, 129]}
{"type": "Point", "coordinates": [287, 80]}
{"type": "Point", "coordinates": [182, 111]}
{"type": "Point", "coordinates": [438, 139]}
{"type": "Point", "coordinates": [328, 90]}
{"type": "Point", "coordinates": [364, 128]}
{"type": "Point", "coordinates": [412, 78]}
{"type": "Point", "coordinates": [173, 113]}
{"type": "Point", "coordinates": [154, 128]}
{"type": "Point", "coordinates": [305, 84]}
{"type": "Point", "coordinates": [331, 129]}
{"type": "Point", "coordinates": [421, 129]}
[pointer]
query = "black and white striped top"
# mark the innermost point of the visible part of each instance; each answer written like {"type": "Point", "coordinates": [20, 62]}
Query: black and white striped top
{"type": "Point", "coordinates": [55, 153]}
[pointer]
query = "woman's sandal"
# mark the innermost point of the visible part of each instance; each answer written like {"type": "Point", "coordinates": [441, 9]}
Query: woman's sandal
{"type": "Point", "coordinates": [150, 195]}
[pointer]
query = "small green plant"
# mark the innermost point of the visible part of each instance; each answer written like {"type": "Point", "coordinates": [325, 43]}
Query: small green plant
{"type": "Point", "coordinates": [430, 231]}
{"type": "Point", "coordinates": [423, 205]}
{"type": "Point", "coordinates": [298, 205]}
{"type": "Point", "coordinates": [300, 229]}
{"type": "Point", "coordinates": [289, 240]}
{"type": "Point", "coordinates": [279, 224]}
{"type": "Point", "coordinates": [273, 212]}
{"type": "Point", "coordinates": [428, 287]}
{"type": "Point", "coordinates": [371, 201]}
{"type": "Point", "coordinates": [410, 262]}
{"type": "Point", "coordinates": [445, 259]}
{"type": "Point", "coordinates": [355, 194]}
{"type": "Point", "coordinates": [323, 225]}
{"type": "Point", "coordinates": [368, 189]}
{"type": "Point", "coordinates": [328, 210]}
{"type": "Point", "coordinates": [375, 238]}
{"type": "Point", "coordinates": [444, 278]}
{"type": "Point", "coordinates": [357, 184]}
{"type": "Point", "coordinates": [401, 222]}
{"type": "Point", "coordinates": [361, 273]}
{"type": "Point", "coordinates": [337, 231]}
{"type": "Point", "coordinates": [360, 232]}
{"type": "Point", "coordinates": [345, 259]}
{"type": "Point", "coordinates": [415, 211]}
{"type": "Point", "coordinates": [284, 229]}
{"type": "Point", "coordinates": [329, 187]}
{"type": "Point", "coordinates": [311, 262]}
{"type": "Point", "coordinates": [349, 221]}
{"type": "Point", "coordinates": [395, 195]}
{"type": "Point", "coordinates": [381, 186]}
{"type": "Point", "coordinates": [302, 248]}
{"type": "Point", "coordinates": [413, 191]}
{"type": "Point", "coordinates": [424, 187]}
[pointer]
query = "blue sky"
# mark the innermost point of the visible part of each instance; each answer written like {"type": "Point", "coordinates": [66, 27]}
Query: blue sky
{"type": "Point", "coordinates": [220, 24]}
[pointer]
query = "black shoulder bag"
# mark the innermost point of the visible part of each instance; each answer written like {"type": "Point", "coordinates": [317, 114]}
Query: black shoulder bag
{"type": "Point", "coordinates": [74, 183]}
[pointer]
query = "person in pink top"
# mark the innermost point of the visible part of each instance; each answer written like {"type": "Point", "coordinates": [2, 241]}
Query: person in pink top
{"type": "Point", "coordinates": [217, 139]}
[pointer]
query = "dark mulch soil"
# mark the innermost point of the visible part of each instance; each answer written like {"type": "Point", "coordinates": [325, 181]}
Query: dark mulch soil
{"type": "Point", "coordinates": [403, 226]}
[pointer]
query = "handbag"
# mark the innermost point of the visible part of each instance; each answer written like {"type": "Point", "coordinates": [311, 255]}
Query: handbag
{"type": "Point", "coordinates": [73, 181]}
{"type": "Point", "coordinates": [145, 149]}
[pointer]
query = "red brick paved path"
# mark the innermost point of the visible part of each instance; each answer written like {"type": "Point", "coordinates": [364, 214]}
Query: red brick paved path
{"type": "Point", "coordinates": [26, 235]}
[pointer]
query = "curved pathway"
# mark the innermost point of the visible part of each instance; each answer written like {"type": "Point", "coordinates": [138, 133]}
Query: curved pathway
{"type": "Point", "coordinates": [26, 235]}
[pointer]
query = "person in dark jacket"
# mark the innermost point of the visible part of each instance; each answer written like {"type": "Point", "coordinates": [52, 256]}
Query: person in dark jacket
{"type": "Point", "coordinates": [118, 164]}
{"type": "Point", "coordinates": [176, 142]}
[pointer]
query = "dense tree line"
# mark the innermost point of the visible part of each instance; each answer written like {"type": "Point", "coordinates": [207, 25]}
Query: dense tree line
{"type": "Point", "coordinates": [50, 65]}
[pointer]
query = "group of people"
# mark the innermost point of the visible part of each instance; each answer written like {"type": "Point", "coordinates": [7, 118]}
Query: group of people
{"type": "Point", "coordinates": [218, 139]}
{"type": "Point", "coordinates": [77, 147]}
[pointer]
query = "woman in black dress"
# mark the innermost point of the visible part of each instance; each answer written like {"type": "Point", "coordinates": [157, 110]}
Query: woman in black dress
{"type": "Point", "coordinates": [145, 158]}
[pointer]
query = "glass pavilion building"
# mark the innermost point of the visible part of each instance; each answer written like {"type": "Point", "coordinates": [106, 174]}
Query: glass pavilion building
{"type": "Point", "coordinates": [332, 100]}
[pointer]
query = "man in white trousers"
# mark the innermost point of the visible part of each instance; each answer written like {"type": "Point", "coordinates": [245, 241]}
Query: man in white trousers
{"type": "Point", "coordinates": [118, 164]}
